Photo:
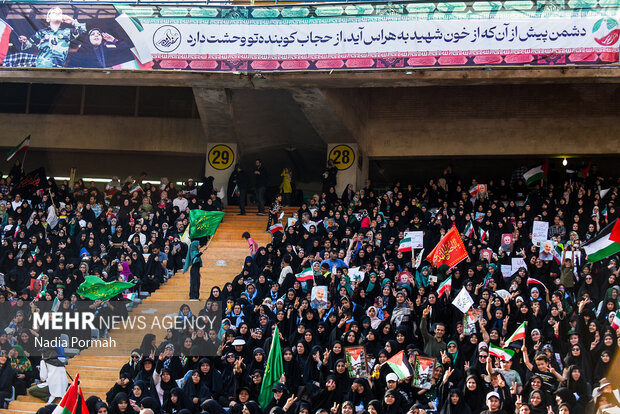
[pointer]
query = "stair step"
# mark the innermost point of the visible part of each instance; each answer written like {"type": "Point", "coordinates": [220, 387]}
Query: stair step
{"type": "Point", "coordinates": [99, 372]}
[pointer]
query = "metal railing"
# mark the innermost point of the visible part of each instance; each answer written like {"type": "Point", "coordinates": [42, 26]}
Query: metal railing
{"type": "Point", "coordinates": [239, 2]}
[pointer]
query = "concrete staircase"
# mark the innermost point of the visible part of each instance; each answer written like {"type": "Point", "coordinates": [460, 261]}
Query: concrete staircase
{"type": "Point", "coordinates": [221, 263]}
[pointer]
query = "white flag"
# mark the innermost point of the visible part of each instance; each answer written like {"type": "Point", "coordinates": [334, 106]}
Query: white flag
{"type": "Point", "coordinates": [463, 301]}
{"type": "Point", "coordinates": [604, 192]}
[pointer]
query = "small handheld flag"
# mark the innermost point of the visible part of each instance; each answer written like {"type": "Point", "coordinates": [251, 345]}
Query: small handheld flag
{"type": "Point", "coordinates": [22, 146]}
{"type": "Point", "coordinates": [501, 353]}
{"type": "Point", "coordinates": [518, 335]}
{"type": "Point", "coordinates": [275, 228]}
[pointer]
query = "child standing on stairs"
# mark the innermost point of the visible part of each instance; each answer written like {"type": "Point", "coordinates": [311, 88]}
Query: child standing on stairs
{"type": "Point", "coordinates": [274, 211]}
{"type": "Point", "coordinates": [252, 245]}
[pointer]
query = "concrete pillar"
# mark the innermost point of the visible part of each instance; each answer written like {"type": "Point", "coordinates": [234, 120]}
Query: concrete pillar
{"type": "Point", "coordinates": [217, 117]}
{"type": "Point", "coordinates": [352, 165]}
{"type": "Point", "coordinates": [321, 115]}
{"type": "Point", "coordinates": [220, 164]}
{"type": "Point", "coordinates": [216, 114]}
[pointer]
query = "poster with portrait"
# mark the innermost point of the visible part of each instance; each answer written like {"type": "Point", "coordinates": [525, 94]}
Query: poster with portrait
{"type": "Point", "coordinates": [423, 372]}
{"type": "Point", "coordinates": [486, 254]}
{"type": "Point", "coordinates": [469, 321]}
{"type": "Point", "coordinates": [507, 244]}
{"type": "Point", "coordinates": [404, 278]}
{"type": "Point", "coordinates": [546, 250]}
{"type": "Point", "coordinates": [318, 298]}
{"type": "Point", "coordinates": [356, 358]}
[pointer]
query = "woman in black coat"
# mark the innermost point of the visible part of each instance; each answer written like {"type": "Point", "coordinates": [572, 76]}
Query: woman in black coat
{"type": "Point", "coordinates": [196, 391]}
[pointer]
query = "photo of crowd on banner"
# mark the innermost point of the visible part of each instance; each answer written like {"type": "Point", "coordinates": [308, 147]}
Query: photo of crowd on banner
{"type": "Point", "coordinates": [427, 297]}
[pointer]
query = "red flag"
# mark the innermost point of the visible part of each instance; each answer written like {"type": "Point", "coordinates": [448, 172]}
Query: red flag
{"type": "Point", "coordinates": [615, 232]}
{"type": "Point", "coordinates": [450, 250]}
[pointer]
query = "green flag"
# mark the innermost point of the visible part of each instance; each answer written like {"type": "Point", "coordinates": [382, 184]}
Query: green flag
{"type": "Point", "coordinates": [273, 372]}
{"type": "Point", "coordinates": [203, 223]}
{"type": "Point", "coordinates": [94, 288]}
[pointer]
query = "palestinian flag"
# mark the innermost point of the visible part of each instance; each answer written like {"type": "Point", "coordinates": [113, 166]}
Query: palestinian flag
{"type": "Point", "coordinates": [73, 402]}
{"type": "Point", "coordinates": [399, 365]}
{"type": "Point", "coordinates": [446, 285]}
{"type": "Point", "coordinates": [469, 229]}
{"type": "Point", "coordinates": [22, 146]}
{"type": "Point", "coordinates": [484, 235]}
{"type": "Point", "coordinates": [405, 245]}
{"type": "Point", "coordinates": [536, 173]}
{"type": "Point", "coordinates": [606, 243]}
{"type": "Point", "coordinates": [615, 324]}
{"type": "Point", "coordinates": [518, 335]}
{"type": "Point", "coordinates": [557, 254]}
{"type": "Point", "coordinates": [535, 282]}
{"type": "Point", "coordinates": [305, 274]}
{"type": "Point", "coordinates": [501, 353]}
{"type": "Point", "coordinates": [276, 227]}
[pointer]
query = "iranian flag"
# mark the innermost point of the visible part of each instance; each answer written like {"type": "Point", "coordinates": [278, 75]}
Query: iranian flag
{"type": "Point", "coordinates": [399, 365]}
{"type": "Point", "coordinates": [22, 146]}
{"type": "Point", "coordinates": [484, 235]}
{"type": "Point", "coordinates": [405, 245]}
{"type": "Point", "coordinates": [606, 243]}
{"type": "Point", "coordinates": [615, 324]}
{"type": "Point", "coordinates": [501, 353]}
{"type": "Point", "coordinates": [536, 173]}
{"type": "Point", "coordinates": [469, 229]}
{"type": "Point", "coordinates": [446, 285]}
{"type": "Point", "coordinates": [557, 255]}
{"type": "Point", "coordinates": [604, 213]}
{"type": "Point", "coordinates": [276, 227]}
{"type": "Point", "coordinates": [305, 274]}
{"type": "Point", "coordinates": [135, 188]}
{"type": "Point", "coordinates": [535, 282]}
{"type": "Point", "coordinates": [5, 34]}
{"type": "Point", "coordinates": [473, 191]}
{"type": "Point", "coordinates": [518, 335]}
{"type": "Point", "coordinates": [73, 402]}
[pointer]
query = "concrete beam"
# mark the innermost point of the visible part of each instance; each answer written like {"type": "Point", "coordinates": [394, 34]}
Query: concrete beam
{"type": "Point", "coordinates": [322, 115]}
{"type": "Point", "coordinates": [216, 114]}
{"type": "Point", "coordinates": [318, 79]}
{"type": "Point", "coordinates": [104, 133]}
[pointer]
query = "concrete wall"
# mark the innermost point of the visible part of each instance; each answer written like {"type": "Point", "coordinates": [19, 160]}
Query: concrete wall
{"type": "Point", "coordinates": [104, 133]}
{"type": "Point", "coordinates": [486, 120]}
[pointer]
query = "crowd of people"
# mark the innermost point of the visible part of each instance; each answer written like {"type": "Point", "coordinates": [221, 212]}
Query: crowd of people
{"type": "Point", "coordinates": [377, 298]}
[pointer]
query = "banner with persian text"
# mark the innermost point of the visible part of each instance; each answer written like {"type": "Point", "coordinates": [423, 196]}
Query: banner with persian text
{"type": "Point", "coordinates": [308, 37]}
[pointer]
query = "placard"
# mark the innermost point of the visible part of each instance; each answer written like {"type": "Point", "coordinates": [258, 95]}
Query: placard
{"type": "Point", "coordinates": [356, 358]}
{"type": "Point", "coordinates": [506, 270]}
{"type": "Point", "coordinates": [423, 372]}
{"type": "Point", "coordinates": [318, 297]}
{"type": "Point", "coordinates": [417, 238]}
{"type": "Point", "coordinates": [516, 264]}
{"type": "Point", "coordinates": [540, 231]}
